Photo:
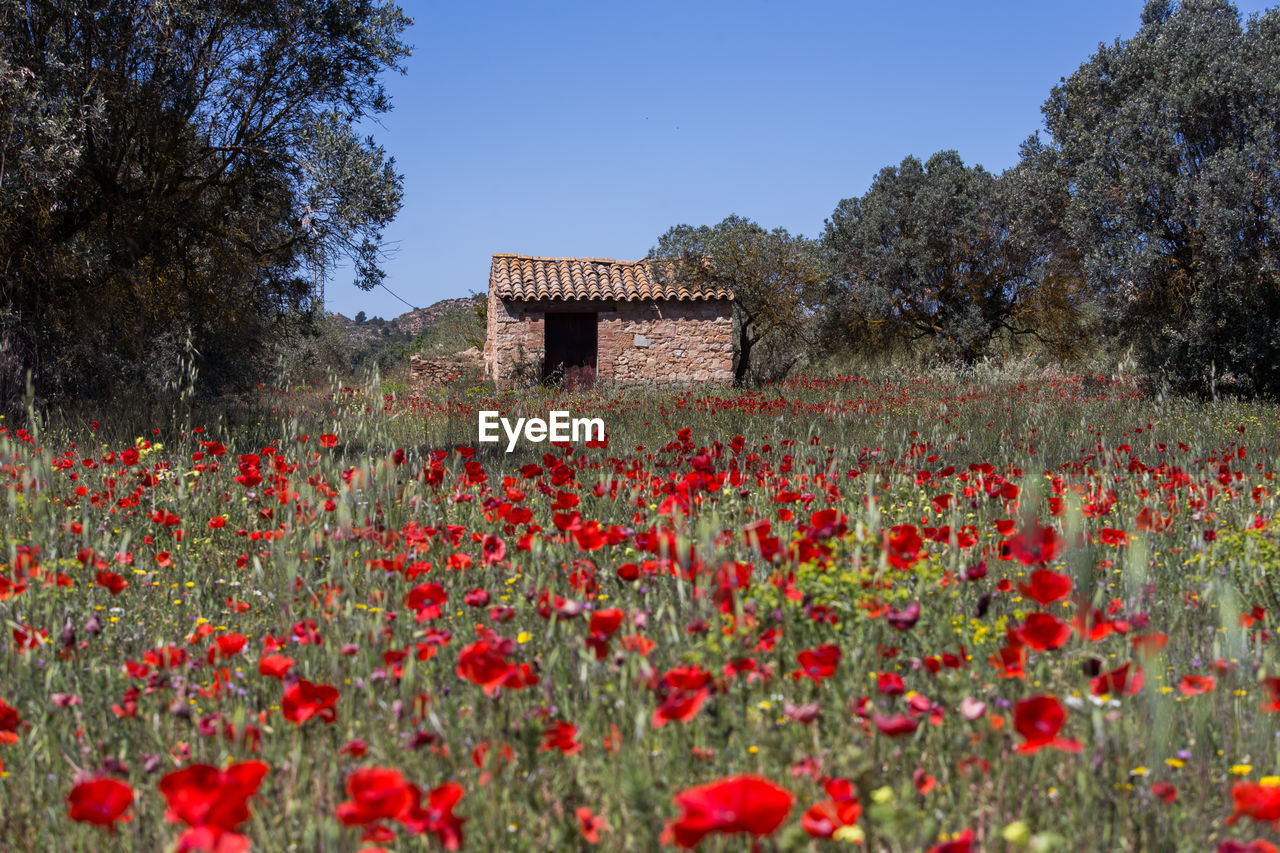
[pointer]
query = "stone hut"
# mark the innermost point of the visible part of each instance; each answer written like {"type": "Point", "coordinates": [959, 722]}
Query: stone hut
{"type": "Point", "coordinates": [582, 319]}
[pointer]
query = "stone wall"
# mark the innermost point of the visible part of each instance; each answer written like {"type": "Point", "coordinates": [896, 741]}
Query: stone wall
{"type": "Point", "coordinates": [433, 372]}
{"type": "Point", "coordinates": [667, 342]}
{"type": "Point", "coordinates": [513, 343]}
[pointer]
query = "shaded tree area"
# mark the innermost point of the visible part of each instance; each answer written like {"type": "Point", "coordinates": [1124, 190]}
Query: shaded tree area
{"type": "Point", "coordinates": [176, 179]}
{"type": "Point", "coordinates": [1145, 218]}
{"type": "Point", "coordinates": [938, 252]}
{"type": "Point", "coordinates": [1169, 147]}
{"type": "Point", "coordinates": [775, 277]}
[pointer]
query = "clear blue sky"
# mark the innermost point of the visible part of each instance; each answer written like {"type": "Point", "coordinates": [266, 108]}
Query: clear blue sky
{"type": "Point", "coordinates": [589, 128]}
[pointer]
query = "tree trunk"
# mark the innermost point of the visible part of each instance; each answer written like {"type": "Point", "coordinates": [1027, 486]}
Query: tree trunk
{"type": "Point", "coordinates": [744, 356]}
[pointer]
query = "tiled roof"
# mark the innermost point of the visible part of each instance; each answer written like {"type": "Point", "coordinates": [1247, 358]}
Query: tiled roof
{"type": "Point", "coordinates": [529, 278]}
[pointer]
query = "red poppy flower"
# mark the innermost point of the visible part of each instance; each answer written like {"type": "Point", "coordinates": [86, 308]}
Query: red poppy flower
{"type": "Point", "coordinates": [1038, 720]}
{"type": "Point", "coordinates": [1258, 846]}
{"type": "Point", "coordinates": [897, 725]}
{"type": "Point", "coordinates": [561, 735]}
{"type": "Point", "coordinates": [1255, 800]}
{"type": "Point", "coordinates": [744, 803]}
{"type": "Point", "coordinates": [304, 700]}
{"type": "Point", "coordinates": [25, 638]}
{"type": "Point", "coordinates": [328, 440]}
{"type": "Point", "coordinates": [1043, 631]}
{"type": "Point", "coordinates": [101, 802]}
{"type": "Point", "coordinates": [482, 663]}
{"type": "Point", "coordinates": [1112, 536]}
{"type": "Point", "coordinates": [1149, 645]}
{"type": "Point", "coordinates": [1147, 520]}
{"type": "Point", "coordinates": [822, 819]}
{"type": "Point", "coordinates": [591, 825]}
{"type": "Point", "coordinates": [212, 803]}
{"type": "Point", "coordinates": [680, 705]}
{"type": "Point", "coordinates": [1164, 791]}
{"type": "Point", "coordinates": [1046, 587]}
{"type": "Point", "coordinates": [890, 684]}
{"type": "Point", "coordinates": [819, 663]}
{"type": "Point", "coordinates": [1035, 545]}
{"type": "Point", "coordinates": [9, 717]}
{"type": "Point", "coordinates": [1194, 685]}
{"type": "Point", "coordinates": [1269, 685]}
{"type": "Point", "coordinates": [166, 657]}
{"type": "Point", "coordinates": [114, 583]}
{"type": "Point", "coordinates": [903, 546]}
{"type": "Point", "coordinates": [1126, 680]}
{"type": "Point", "coordinates": [1094, 625]}
{"type": "Point", "coordinates": [427, 600]}
{"type": "Point", "coordinates": [377, 793]}
{"type": "Point", "coordinates": [962, 843]}
{"type": "Point", "coordinates": [493, 549]}
{"type": "Point", "coordinates": [275, 666]}
{"type": "Point", "coordinates": [606, 622]}
{"type": "Point", "coordinates": [590, 536]}
{"type": "Point", "coordinates": [1010, 660]}
{"type": "Point", "coordinates": [230, 644]}
{"type": "Point", "coordinates": [355, 747]}
{"type": "Point", "coordinates": [436, 815]}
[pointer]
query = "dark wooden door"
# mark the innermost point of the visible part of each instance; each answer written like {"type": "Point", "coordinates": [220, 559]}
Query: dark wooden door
{"type": "Point", "coordinates": [571, 348]}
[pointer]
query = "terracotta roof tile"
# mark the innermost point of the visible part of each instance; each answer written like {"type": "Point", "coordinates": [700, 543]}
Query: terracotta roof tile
{"type": "Point", "coordinates": [528, 278]}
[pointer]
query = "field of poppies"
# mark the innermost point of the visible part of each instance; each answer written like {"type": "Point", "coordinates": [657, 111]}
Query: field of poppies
{"type": "Point", "coordinates": [918, 614]}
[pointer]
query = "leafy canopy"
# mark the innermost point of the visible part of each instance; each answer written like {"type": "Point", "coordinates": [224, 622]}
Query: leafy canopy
{"type": "Point", "coordinates": [178, 178]}
{"type": "Point", "coordinates": [1165, 146]}
{"type": "Point", "coordinates": [933, 251]}
{"type": "Point", "coordinates": [775, 278]}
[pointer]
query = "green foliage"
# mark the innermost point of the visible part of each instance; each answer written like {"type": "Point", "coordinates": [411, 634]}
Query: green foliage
{"type": "Point", "coordinates": [937, 252]}
{"type": "Point", "coordinates": [183, 170]}
{"type": "Point", "coordinates": [457, 328]}
{"type": "Point", "coordinates": [1165, 148]}
{"type": "Point", "coordinates": [480, 314]}
{"type": "Point", "coordinates": [774, 276]}
{"type": "Point", "coordinates": [338, 553]}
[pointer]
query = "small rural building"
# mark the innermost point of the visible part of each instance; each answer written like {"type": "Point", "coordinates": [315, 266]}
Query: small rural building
{"type": "Point", "coordinates": [586, 318]}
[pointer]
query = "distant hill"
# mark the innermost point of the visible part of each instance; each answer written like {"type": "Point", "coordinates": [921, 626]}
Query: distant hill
{"type": "Point", "coordinates": [446, 327]}
{"type": "Point", "coordinates": [407, 325]}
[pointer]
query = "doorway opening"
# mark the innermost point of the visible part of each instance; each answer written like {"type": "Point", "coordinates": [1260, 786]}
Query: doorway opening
{"type": "Point", "coordinates": [570, 348]}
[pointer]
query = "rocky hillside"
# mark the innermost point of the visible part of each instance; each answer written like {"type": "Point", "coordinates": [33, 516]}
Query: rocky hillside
{"type": "Point", "coordinates": [408, 325]}
{"type": "Point", "coordinates": [447, 327]}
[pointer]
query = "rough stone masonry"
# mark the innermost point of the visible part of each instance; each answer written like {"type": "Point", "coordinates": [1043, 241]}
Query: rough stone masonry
{"type": "Point", "coordinates": [646, 332]}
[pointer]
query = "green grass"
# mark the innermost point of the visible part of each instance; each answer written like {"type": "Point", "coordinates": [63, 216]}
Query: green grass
{"type": "Point", "coordinates": [858, 447]}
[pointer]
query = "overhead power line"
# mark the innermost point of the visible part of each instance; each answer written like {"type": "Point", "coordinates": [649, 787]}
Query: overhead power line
{"type": "Point", "coordinates": [398, 296]}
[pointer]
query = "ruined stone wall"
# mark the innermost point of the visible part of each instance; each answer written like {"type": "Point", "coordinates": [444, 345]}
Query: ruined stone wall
{"type": "Point", "coordinates": [637, 342]}
{"type": "Point", "coordinates": [433, 372]}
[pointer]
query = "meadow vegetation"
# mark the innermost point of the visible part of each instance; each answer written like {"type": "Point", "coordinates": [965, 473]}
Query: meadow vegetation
{"type": "Point", "coordinates": [908, 587]}
{"type": "Point", "coordinates": [964, 609]}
